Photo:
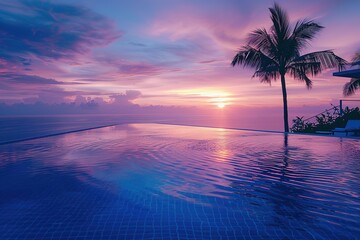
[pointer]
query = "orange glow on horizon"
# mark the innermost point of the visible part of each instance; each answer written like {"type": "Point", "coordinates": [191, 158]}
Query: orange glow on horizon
{"type": "Point", "coordinates": [204, 96]}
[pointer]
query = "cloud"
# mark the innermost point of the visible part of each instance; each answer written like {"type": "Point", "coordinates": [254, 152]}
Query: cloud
{"type": "Point", "coordinates": [121, 103]}
{"type": "Point", "coordinates": [125, 98]}
{"type": "Point", "coordinates": [137, 44]}
{"type": "Point", "coordinates": [208, 28]}
{"type": "Point", "coordinates": [130, 68]}
{"type": "Point", "coordinates": [123, 69]}
{"type": "Point", "coordinates": [17, 88]}
{"type": "Point", "coordinates": [224, 25]}
{"type": "Point", "coordinates": [15, 78]}
{"type": "Point", "coordinates": [50, 31]}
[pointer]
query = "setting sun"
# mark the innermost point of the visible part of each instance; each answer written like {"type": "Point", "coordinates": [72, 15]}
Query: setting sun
{"type": "Point", "coordinates": [220, 105]}
{"type": "Point", "coordinates": [220, 102]}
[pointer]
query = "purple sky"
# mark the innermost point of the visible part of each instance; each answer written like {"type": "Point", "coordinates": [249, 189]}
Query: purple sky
{"type": "Point", "coordinates": [114, 54]}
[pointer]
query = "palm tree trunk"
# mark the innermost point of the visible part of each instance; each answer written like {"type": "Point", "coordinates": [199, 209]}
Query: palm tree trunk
{"type": "Point", "coordinates": [283, 87]}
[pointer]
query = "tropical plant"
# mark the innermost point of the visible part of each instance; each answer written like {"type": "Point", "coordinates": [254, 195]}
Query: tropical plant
{"type": "Point", "coordinates": [326, 121]}
{"type": "Point", "coordinates": [354, 84]}
{"type": "Point", "coordinates": [277, 53]}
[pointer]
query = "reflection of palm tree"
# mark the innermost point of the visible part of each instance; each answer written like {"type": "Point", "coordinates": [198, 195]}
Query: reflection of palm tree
{"type": "Point", "coordinates": [286, 151]}
{"type": "Point", "coordinates": [291, 206]}
{"type": "Point", "coordinates": [276, 53]}
{"type": "Point", "coordinates": [354, 84]}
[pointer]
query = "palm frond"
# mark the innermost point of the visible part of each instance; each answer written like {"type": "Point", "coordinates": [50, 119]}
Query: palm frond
{"type": "Point", "coordinates": [312, 68]}
{"type": "Point", "coordinates": [356, 59]}
{"type": "Point", "coordinates": [308, 82]}
{"type": "Point", "coordinates": [300, 71]}
{"type": "Point", "coordinates": [351, 87]}
{"type": "Point", "coordinates": [249, 56]}
{"type": "Point", "coordinates": [304, 31]}
{"type": "Point", "coordinates": [281, 25]}
{"type": "Point", "coordinates": [260, 39]}
{"type": "Point", "coordinates": [266, 75]}
{"type": "Point", "coordinates": [327, 59]}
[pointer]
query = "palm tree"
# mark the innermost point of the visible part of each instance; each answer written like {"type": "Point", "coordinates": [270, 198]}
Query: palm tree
{"type": "Point", "coordinates": [276, 53]}
{"type": "Point", "coordinates": [354, 84]}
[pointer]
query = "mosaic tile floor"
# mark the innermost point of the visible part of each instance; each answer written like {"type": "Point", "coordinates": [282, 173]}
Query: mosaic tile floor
{"type": "Point", "coordinates": [152, 181]}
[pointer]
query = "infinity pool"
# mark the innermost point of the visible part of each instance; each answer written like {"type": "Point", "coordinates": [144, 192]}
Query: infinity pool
{"type": "Point", "coordinates": [153, 181]}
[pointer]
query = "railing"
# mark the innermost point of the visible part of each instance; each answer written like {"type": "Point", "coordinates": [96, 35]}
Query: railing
{"type": "Point", "coordinates": [335, 108]}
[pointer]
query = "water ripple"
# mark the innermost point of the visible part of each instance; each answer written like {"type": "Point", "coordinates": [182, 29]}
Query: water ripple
{"type": "Point", "coordinates": [282, 175]}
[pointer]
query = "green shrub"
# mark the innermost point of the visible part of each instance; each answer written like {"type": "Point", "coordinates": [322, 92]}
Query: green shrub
{"type": "Point", "coordinates": [326, 121]}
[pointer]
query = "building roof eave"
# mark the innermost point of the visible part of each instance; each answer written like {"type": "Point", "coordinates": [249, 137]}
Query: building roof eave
{"type": "Point", "coordinates": [354, 73]}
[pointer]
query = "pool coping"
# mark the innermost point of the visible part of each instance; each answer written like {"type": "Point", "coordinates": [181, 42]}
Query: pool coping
{"type": "Point", "coordinates": [56, 134]}
{"type": "Point", "coordinates": [257, 130]}
{"type": "Point", "coordinates": [175, 124]}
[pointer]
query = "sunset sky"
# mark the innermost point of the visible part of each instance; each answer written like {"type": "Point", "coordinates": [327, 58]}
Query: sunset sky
{"type": "Point", "coordinates": [120, 53]}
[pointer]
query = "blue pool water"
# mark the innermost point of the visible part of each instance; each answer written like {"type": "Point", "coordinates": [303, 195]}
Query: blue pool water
{"type": "Point", "coordinates": [153, 181]}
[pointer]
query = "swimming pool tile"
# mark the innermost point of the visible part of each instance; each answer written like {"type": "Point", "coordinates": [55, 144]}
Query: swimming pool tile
{"type": "Point", "coordinates": [192, 184]}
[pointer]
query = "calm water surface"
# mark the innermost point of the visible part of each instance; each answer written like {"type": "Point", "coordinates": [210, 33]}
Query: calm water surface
{"type": "Point", "coordinates": [153, 181]}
